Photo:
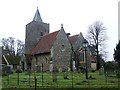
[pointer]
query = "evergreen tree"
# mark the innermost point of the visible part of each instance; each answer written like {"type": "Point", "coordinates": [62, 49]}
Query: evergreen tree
{"type": "Point", "coordinates": [117, 54]}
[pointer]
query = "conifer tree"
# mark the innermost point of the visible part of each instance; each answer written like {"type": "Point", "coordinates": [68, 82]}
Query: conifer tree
{"type": "Point", "coordinates": [117, 54]}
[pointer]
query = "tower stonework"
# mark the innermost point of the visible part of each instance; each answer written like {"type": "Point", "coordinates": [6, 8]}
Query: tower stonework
{"type": "Point", "coordinates": [34, 31]}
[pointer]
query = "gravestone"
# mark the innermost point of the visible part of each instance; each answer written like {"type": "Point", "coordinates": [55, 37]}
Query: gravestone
{"type": "Point", "coordinates": [65, 75]}
{"type": "Point", "coordinates": [54, 74]}
{"type": "Point", "coordinates": [6, 70]}
{"type": "Point", "coordinates": [101, 71]}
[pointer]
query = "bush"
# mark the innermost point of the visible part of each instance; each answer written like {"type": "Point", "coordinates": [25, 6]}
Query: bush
{"type": "Point", "coordinates": [18, 71]}
{"type": "Point", "coordinates": [93, 71]}
{"type": "Point", "coordinates": [4, 74]}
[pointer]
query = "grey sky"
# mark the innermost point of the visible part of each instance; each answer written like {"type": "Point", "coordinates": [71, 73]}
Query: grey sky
{"type": "Point", "coordinates": [75, 15]}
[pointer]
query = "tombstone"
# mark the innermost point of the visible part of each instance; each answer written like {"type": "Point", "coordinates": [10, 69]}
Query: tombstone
{"type": "Point", "coordinates": [60, 70]}
{"type": "Point", "coordinates": [51, 66]}
{"type": "Point", "coordinates": [19, 70]}
{"type": "Point", "coordinates": [74, 68]}
{"type": "Point", "coordinates": [101, 71]}
{"type": "Point", "coordinates": [65, 75]}
{"type": "Point", "coordinates": [6, 70]}
{"type": "Point", "coordinates": [54, 76]}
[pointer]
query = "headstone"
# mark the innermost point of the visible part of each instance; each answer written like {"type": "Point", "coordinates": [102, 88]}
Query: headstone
{"type": "Point", "coordinates": [74, 68]}
{"type": "Point", "coordinates": [51, 66]}
{"type": "Point", "coordinates": [65, 75]}
{"type": "Point", "coordinates": [101, 71]}
{"type": "Point", "coordinates": [6, 69]}
{"type": "Point", "coordinates": [60, 69]}
{"type": "Point", "coordinates": [54, 76]}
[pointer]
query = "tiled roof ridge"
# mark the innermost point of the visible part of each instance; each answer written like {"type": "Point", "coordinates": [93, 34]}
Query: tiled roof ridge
{"type": "Point", "coordinates": [50, 33]}
{"type": "Point", "coordinates": [73, 38]}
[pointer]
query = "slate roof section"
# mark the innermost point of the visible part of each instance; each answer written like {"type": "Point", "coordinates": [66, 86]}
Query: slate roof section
{"type": "Point", "coordinates": [73, 39]}
{"type": "Point", "coordinates": [45, 43]}
{"type": "Point", "coordinates": [37, 16]}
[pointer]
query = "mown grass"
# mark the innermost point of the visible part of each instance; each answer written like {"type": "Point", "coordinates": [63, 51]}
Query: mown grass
{"type": "Point", "coordinates": [75, 80]}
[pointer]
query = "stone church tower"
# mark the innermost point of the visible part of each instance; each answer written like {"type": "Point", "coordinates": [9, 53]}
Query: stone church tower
{"type": "Point", "coordinates": [34, 31]}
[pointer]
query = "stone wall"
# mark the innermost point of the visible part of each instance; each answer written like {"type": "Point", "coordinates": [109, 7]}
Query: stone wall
{"type": "Point", "coordinates": [38, 60]}
{"type": "Point", "coordinates": [78, 44]}
{"type": "Point", "coordinates": [61, 52]}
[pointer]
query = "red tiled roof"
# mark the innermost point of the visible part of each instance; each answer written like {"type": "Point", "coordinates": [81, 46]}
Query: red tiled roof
{"type": "Point", "coordinates": [45, 43]}
{"type": "Point", "coordinates": [73, 39]}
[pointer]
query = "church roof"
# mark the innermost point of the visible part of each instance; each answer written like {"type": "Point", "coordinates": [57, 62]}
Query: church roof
{"type": "Point", "coordinates": [73, 39]}
{"type": "Point", "coordinates": [37, 16]}
{"type": "Point", "coordinates": [45, 43]}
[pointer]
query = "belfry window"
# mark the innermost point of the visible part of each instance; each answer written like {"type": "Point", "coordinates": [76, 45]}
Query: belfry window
{"type": "Point", "coordinates": [41, 33]}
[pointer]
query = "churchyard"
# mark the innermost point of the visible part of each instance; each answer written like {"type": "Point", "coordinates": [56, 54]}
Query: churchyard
{"type": "Point", "coordinates": [27, 80]}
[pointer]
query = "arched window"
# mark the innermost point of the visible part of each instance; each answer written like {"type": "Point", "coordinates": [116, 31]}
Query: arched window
{"type": "Point", "coordinates": [36, 60]}
{"type": "Point", "coordinates": [63, 48]}
{"type": "Point", "coordinates": [41, 33]}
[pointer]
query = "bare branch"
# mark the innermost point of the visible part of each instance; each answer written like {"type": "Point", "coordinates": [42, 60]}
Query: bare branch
{"type": "Point", "coordinates": [96, 36]}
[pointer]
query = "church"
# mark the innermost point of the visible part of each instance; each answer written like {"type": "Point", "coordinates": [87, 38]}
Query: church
{"type": "Point", "coordinates": [53, 51]}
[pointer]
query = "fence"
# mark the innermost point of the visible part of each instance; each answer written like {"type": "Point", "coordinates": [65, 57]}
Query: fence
{"type": "Point", "coordinates": [58, 80]}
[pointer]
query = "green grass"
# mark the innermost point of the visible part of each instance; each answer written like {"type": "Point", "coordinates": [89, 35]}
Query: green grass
{"type": "Point", "coordinates": [75, 80]}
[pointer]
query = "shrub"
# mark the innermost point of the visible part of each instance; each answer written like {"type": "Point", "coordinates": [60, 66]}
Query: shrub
{"type": "Point", "coordinates": [93, 71]}
{"type": "Point", "coordinates": [18, 71]}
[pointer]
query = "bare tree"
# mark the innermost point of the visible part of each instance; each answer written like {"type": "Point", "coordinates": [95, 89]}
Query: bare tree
{"type": "Point", "coordinates": [10, 46]}
{"type": "Point", "coordinates": [4, 43]}
{"type": "Point", "coordinates": [96, 37]}
{"type": "Point", "coordinates": [20, 47]}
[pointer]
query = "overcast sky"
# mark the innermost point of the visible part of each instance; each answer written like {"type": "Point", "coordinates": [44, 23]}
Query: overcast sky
{"type": "Point", "coordinates": [75, 15]}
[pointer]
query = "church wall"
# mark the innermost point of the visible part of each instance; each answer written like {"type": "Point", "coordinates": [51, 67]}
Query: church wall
{"type": "Point", "coordinates": [61, 52]}
{"type": "Point", "coordinates": [78, 43]}
{"type": "Point", "coordinates": [76, 47]}
{"type": "Point", "coordinates": [38, 60]}
{"type": "Point", "coordinates": [80, 53]}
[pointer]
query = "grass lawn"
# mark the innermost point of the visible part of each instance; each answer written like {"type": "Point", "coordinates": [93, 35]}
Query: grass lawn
{"type": "Point", "coordinates": [75, 80]}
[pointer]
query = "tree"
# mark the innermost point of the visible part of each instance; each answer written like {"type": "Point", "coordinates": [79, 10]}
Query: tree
{"type": "Point", "coordinates": [5, 44]}
{"type": "Point", "coordinates": [9, 45]}
{"type": "Point", "coordinates": [20, 47]}
{"type": "Point", "coordinates": [110, 66]}
{"type": "Point", "coordinates": [12, 46]}
{"type": "Point", "coordinates": [117, 59]}
{"type": "Point", "coordinates": [117, 54]}
{"type": "Point", "coordinates": [96, 37]}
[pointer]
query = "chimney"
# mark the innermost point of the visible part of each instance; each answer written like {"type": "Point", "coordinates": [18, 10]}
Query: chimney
{"type": "Point", "coordinates": [62, 26]}
{"type": "Point", "coordinates": [68, 34]}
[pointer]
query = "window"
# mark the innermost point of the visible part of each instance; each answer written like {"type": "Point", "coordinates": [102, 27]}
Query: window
{"type": "Point", "coordinates": [63, 48]}
{"type": "Point", "coordinates": [36, 60]}
{"type": "Point", "coordinates": [41, 33]}
{"type": "Point", "coordinates": [46, 61]}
